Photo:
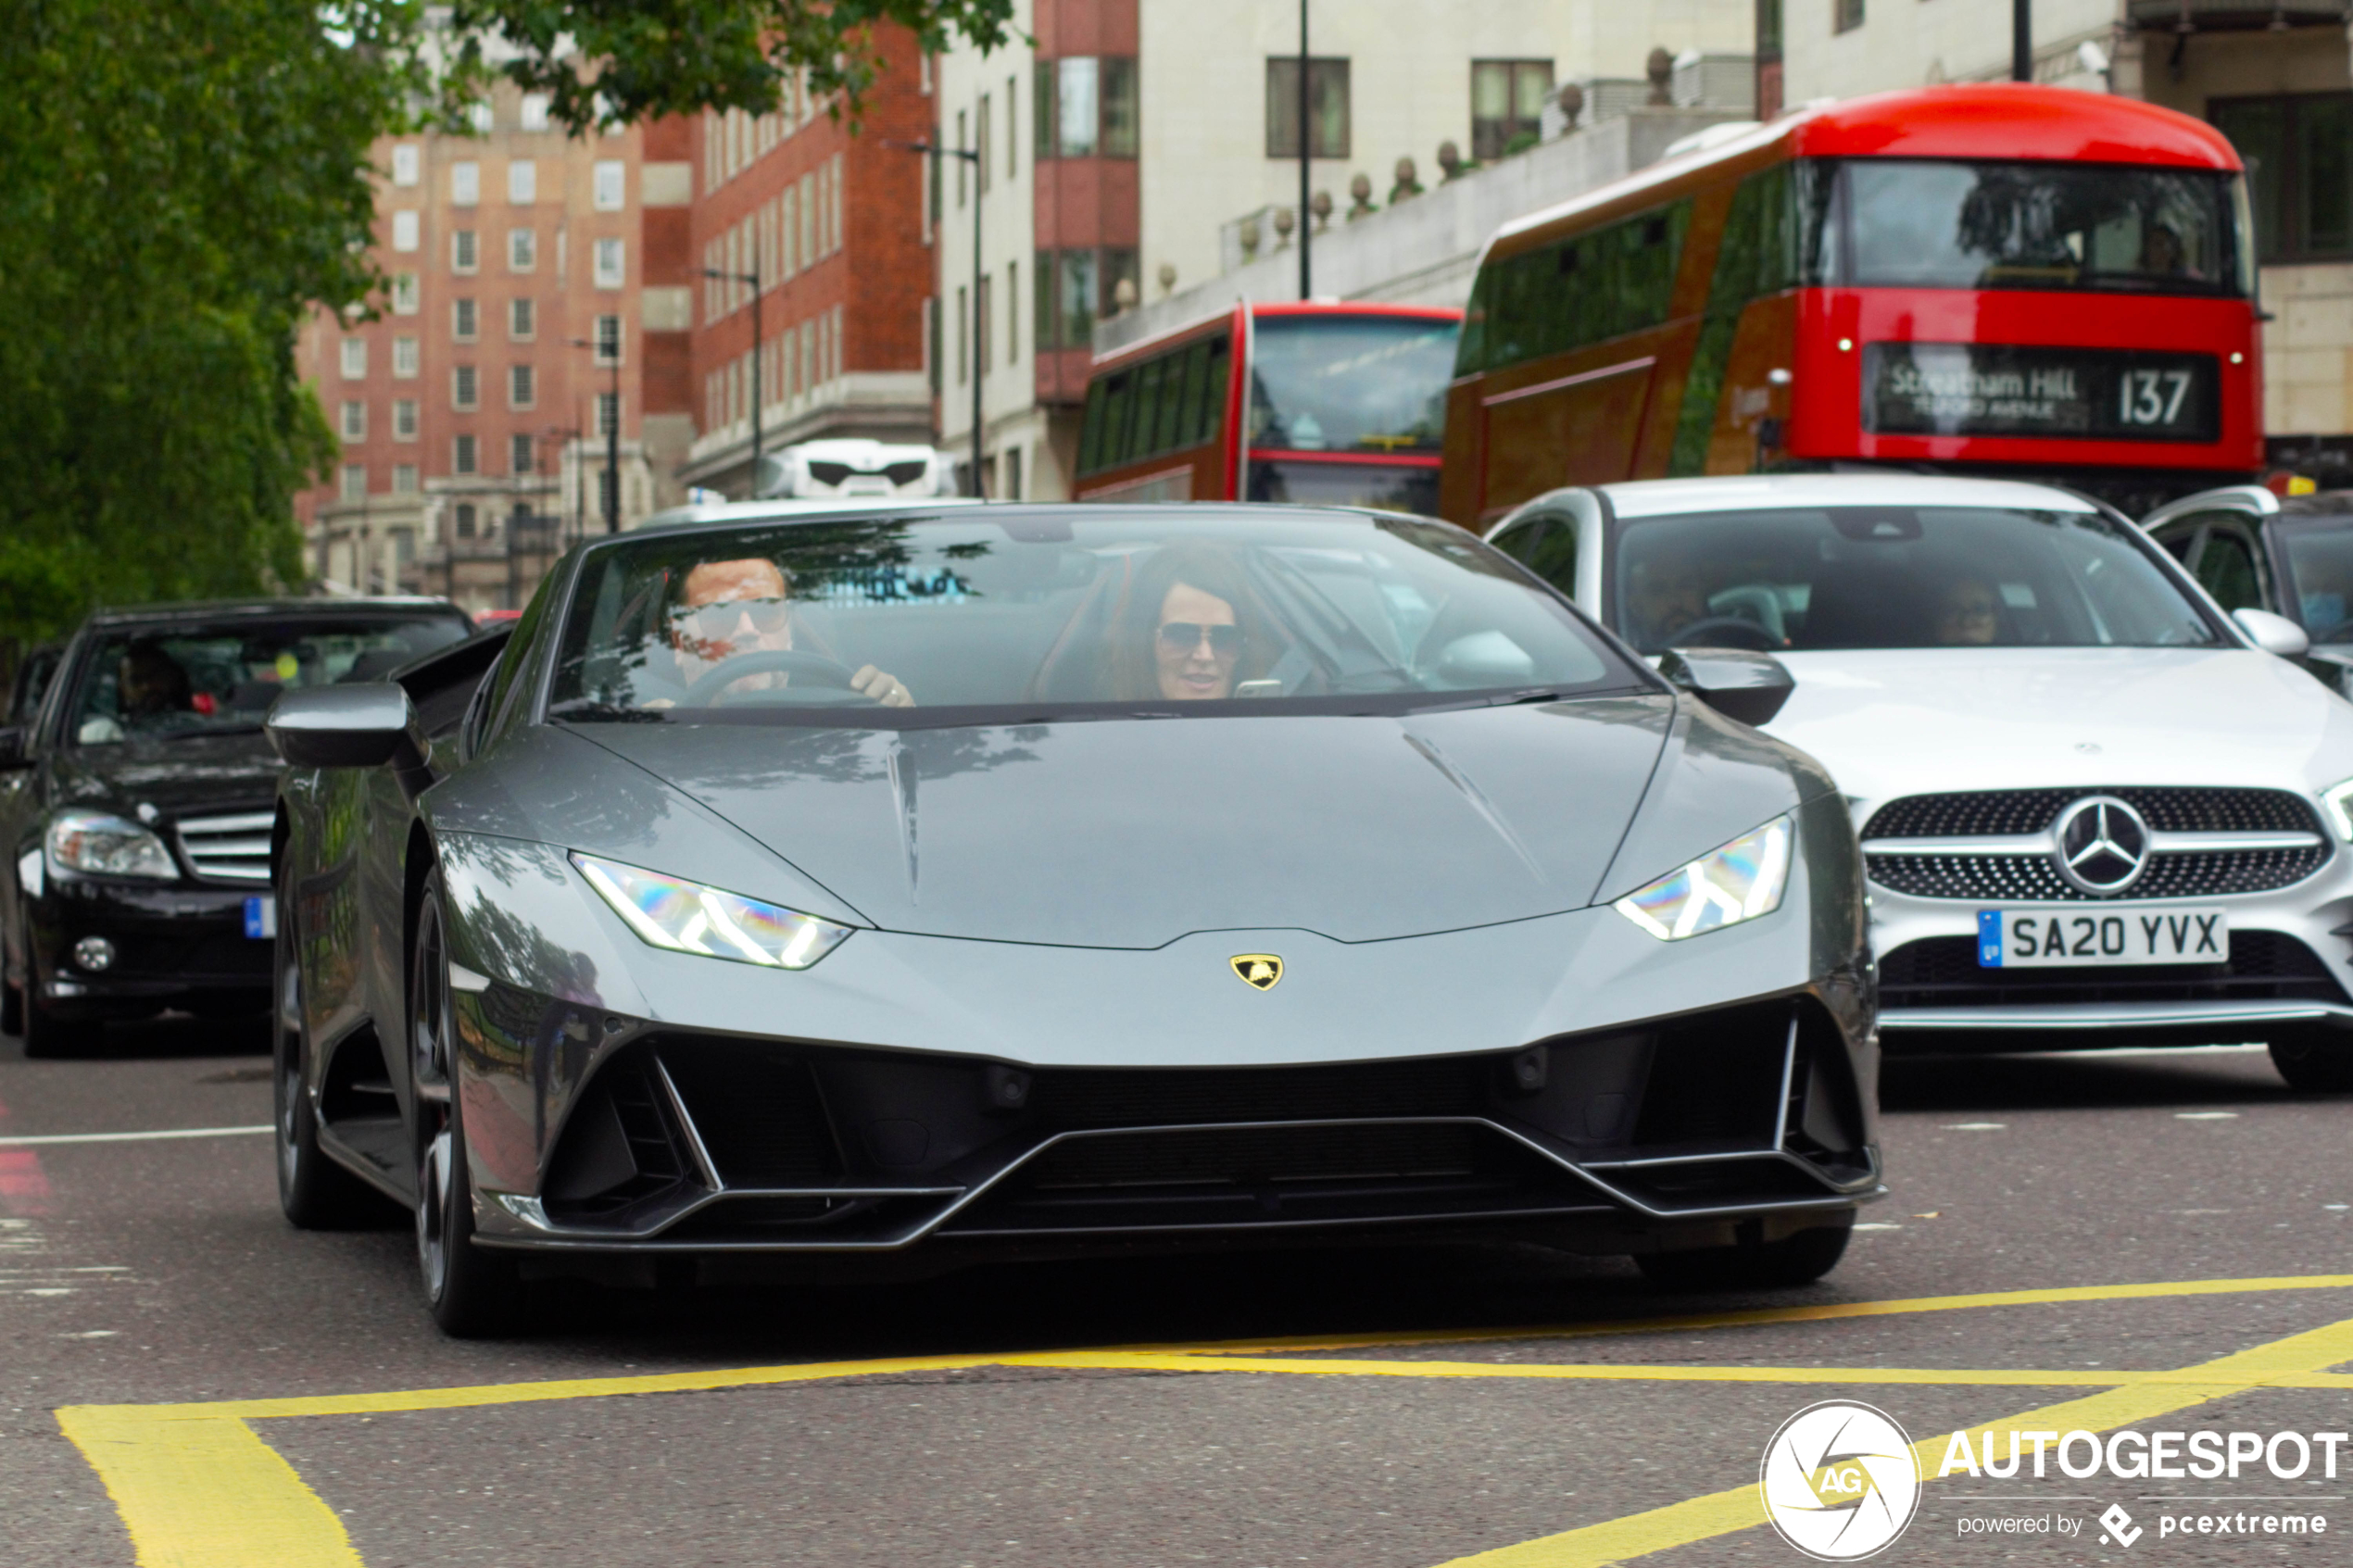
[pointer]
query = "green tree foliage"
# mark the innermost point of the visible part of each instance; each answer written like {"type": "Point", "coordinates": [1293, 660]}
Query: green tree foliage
{"type": "Point", "coordinates": [182, 180]}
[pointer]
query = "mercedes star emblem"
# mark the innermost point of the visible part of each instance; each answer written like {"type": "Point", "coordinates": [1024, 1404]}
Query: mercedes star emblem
{"type": "Point", "coordinates": [2103, 845]}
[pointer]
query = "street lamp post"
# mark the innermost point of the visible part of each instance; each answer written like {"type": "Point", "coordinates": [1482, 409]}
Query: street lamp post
{"type": "Point", "coordinates": [971, 155]}
{"type": "Point", "coordinates": [758, 386]}
{"type": "Point", "coordinates": [612, 431]}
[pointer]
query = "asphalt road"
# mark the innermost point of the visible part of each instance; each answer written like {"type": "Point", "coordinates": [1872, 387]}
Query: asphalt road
{"type": "Point", "coordinates": [138, 1273]}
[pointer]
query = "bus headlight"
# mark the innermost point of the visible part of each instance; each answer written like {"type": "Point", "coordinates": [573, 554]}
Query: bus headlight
{"type": "Point", "coordinates": [1741, 881]}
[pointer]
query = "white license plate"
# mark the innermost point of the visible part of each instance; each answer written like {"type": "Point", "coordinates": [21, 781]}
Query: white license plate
{"type": "Point", "coordinates": [261, 917]}
{"type": "Point", "coordinates": [2047, 938]}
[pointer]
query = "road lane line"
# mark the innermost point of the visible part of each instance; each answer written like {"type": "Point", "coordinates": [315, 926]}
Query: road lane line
{"type": "Point", "coordinates": [1738, 1507]}
{"type": "Point", "coordinates": [205, 1492]}
{"type": "Point", "coordinates": [1823, 1314]}
{"type": "Point", "coordinates": [136, 1138]}
{"type": "Point", "coordinates": [167, 1466]}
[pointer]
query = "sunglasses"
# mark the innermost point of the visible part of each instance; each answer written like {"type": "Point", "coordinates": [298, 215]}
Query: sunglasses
{"type": "Point", "coordinates": [1183, 636]}
{"type": "Point", "coordinates": [715, 620]}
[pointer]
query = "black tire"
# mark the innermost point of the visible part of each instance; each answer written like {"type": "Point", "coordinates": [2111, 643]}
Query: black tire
{"type": "Point", "coordinates": [316, 1192]}
{"type": "Point", "coordinates": [2315, 1062]}
{"type": "Point", "coordinates": [471, 1291]}
{"type": "Point", "coordinates": [44, 1032]}
{"type": "Point", "coordinates": [1774, 1265]}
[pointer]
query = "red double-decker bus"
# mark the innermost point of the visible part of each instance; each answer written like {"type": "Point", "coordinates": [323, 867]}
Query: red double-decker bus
{"type": "Point", "coordinates": [1991, 279]}
{"type": "Point", "coordinates": [1336, 405]}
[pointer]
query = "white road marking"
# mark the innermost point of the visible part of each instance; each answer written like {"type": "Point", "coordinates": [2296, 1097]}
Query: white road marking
{"type": "Point", "coordinates": [2206, 1116]}
{"type": "Point", "coordinates": [1974, 1126]}
{"type": "Point", "coordinates": [137, 1137]}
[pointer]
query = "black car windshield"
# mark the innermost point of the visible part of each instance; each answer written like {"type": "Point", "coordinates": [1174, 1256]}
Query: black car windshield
{"type": "Point", "coordinates": [2320, 558]}
{"type": "Point", "coordinates": [1917, 224]}
{"type": "Point", "coordinates": [1896, 577]}
{"type": "Point", "coordinates": [164, 682]}
{"type": "Point", "coordinates": [1091, 610]}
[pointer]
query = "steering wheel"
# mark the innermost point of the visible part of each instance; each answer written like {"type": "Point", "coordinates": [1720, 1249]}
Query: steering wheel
{"type": "Point", "coordinates": [1726, 632]}
{"type": "Point", "coordinates": [821, 671]}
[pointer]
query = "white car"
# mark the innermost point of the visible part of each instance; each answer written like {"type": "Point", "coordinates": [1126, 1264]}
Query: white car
{"type": "Point", "coordinates": [2096, 810]}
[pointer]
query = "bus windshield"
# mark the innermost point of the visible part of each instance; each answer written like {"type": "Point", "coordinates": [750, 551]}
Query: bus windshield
{"type": "Point", "coordinates": [1913, 223]}
{"type": "Point", "coordinates": [1350, 384]}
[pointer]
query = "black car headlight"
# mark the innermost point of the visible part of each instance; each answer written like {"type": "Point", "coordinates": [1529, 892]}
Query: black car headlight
{"type": "Point", "coordinates": [1741, 881]}
{"type": "Point", "coordinates": [99, 844]}
{"type": "Point", "coordinates": [687, 917]}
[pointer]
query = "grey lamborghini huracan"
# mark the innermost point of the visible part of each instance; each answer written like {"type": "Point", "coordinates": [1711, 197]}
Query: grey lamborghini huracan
{"type": "Point", "coordinates": [1030, 880]}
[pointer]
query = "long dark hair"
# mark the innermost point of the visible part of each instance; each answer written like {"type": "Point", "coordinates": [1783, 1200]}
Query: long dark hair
{"type": "Point", "coordinates": [1195, 564]}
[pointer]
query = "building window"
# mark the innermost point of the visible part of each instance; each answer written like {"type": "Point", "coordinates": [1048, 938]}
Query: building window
{"type": "Point", "coordinates": [406, 164]}
{"type": "Point", "coordinates": [608, 413]}
{"type": "Point", "coordinates": [1012, 461]}
{"type": "Point", "coordinates": [607, 340]}
{"type": "Point", "coordinates": [1073, 286]}
{"type": "Point", "coordinates": [523, 250]}
{"type": "Point", "coordinates": [522, 182]}
{"type": "Point", "coordinates": [611, 185]}
{"type": "Point", "coordinates": [465, 183]}
{"type": "Point", "coordinates": [1013, 312]}
{"type": "Point", "coordinates": [611, 256]}
{"type": "Point", "coordinates": [1327, 107]}
{"type": "Point", "coordinates": [535, 111]}
{"type": "Point", "coordinates": [466, 509]}
{"type": "Point", "coordinates": [404, 357]}
{"type": "Point", "coordinates": [404, 479]}
{"type": "Point", "coordinates": [522, 320]}
{"type": "Point", "coordinates": [404, 294]}
{"type": "Point", "coordinates": [355, 359]}
{"type": "Point", "coordinates": [461, 460]}
{"type": "Point", "coordinates": [522, 386]}
{"type": "Point", "coordinates": [463, 320]}
{"type": "Point", "coordinates": [980, 145]}
{"type": "Point", "coordinates": [355, 482]}
{"type": "Point", "coordinates": [1846, 14]}
{"type": "Point", "coordinates": [404, 419]}
{"type": "Point", "coordinates": [464, 255]}
{"type": "Point", "coordinates": [980, 325]}
{"type": "Point", "coordinates": [808, 218]}
{"type": "Point", "coordinates": [2299, 175]}
{"type": "Point", "coordinates": [355, 419]}
{"type": "Point", "coordinates": [520, 460]}
{"type": "Point", "coordinates": [404, 231]}
{"type": "Point", "coordinates": [1508, 97]}
{"type": "Point", "coordinates": [464, 393]}
{"type": "Point", "coordinates": [1013, 131]}
{"type": "Point", "coordinates": [1084, 107]}
{"type": "Point", "coordinates": [833, 204]}
{"type": "Point", "coordinates": [964, 144]}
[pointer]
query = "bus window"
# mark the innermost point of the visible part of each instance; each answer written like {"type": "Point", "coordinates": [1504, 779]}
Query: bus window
{"type": "Point", "coordinates": [1144, 423]}
{"type": "Point", "coordinates": [1214, 388]}
{"type": "Point", "coordinates": [1350, 384]}
{"type": "Point", "coordinates": [1091, 435]}
{"type": "Point", "coordinates": [1581, 290]}
{"type": "Point", "coordinates": [1917, 224]}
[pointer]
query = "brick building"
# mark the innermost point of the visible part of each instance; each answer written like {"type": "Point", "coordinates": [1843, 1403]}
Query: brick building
{"type": "Point", "coordinates": [472, 410]}
{"type": "Point", "coordinates": [833, 225]}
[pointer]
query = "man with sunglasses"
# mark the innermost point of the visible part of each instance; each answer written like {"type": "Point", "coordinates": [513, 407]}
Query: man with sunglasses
{"type": "Point", "coordinates": [730, 608]}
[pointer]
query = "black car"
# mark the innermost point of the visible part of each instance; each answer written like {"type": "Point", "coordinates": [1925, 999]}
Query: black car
{"type": "Point", "coordinates": [136, 798]}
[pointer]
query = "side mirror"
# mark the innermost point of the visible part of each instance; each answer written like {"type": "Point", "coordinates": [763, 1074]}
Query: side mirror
{"type": "Point", "coordinates": [12, 748]}
{"type": "Point", "coordinates": [358, 726]}
{"type": "Point", "coordinates": [1748, 686]}
{"type": "Point", "coordinates": [2272, 633]}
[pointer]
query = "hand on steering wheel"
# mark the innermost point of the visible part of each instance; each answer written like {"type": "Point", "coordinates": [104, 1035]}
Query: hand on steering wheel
{"type": "Point", "coordinates": [1725, 631]}
{"type": "Point", "coordinates": [812, 669]}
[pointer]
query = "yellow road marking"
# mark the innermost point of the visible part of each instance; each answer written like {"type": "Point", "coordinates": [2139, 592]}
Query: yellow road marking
{"type": "Point", "coordinates": [199, 1488]}
{"type": "Point", "coordinates": [1738, 1507]}
{"type": "Point", "coordinates": [1756, 1315]}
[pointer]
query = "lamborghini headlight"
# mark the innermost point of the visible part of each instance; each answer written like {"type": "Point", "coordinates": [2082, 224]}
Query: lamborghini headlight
{"type": "Point", "coordinates": [2339, 802]}
{"type": "Point", "coordinates": [1742, 880]}
{"type": "Point", "coordinates": [100, 845]}
{"type": "Point", "coordinates": [687, 917]}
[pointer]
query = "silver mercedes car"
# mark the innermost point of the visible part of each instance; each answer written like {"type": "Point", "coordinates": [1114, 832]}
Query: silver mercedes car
{"type": "Point", "coordinates": [917, 889]}
{"type": "Point", "coordinates": [2095, 810]}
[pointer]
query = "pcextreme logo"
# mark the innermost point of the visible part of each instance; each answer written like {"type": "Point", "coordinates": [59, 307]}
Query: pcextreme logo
{"type": "Point", "coordinates": [1839, 1481]}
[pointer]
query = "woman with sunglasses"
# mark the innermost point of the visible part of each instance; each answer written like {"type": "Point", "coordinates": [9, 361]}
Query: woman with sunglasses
{"type": "Point", "coordinates": [1187, 627]}
{"type": "Point", "coordinates": [730, 608]}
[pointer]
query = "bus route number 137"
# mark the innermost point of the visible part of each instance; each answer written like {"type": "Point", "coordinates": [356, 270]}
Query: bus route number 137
{"type": "Point", "coordinates": [2152, 397]}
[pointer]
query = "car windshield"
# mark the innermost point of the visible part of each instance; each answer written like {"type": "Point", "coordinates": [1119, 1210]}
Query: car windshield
{"type": "Point", "coordinates": [167, 682]}
{"type": "Point", "coordinates": [1090, 611]}
{"type": "Point", "coordinates": [2320, 558]}
{"type": "Point", "coordinates": [1917, 224]}
{"type": "Point", "coordinates": [1896, 577]}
